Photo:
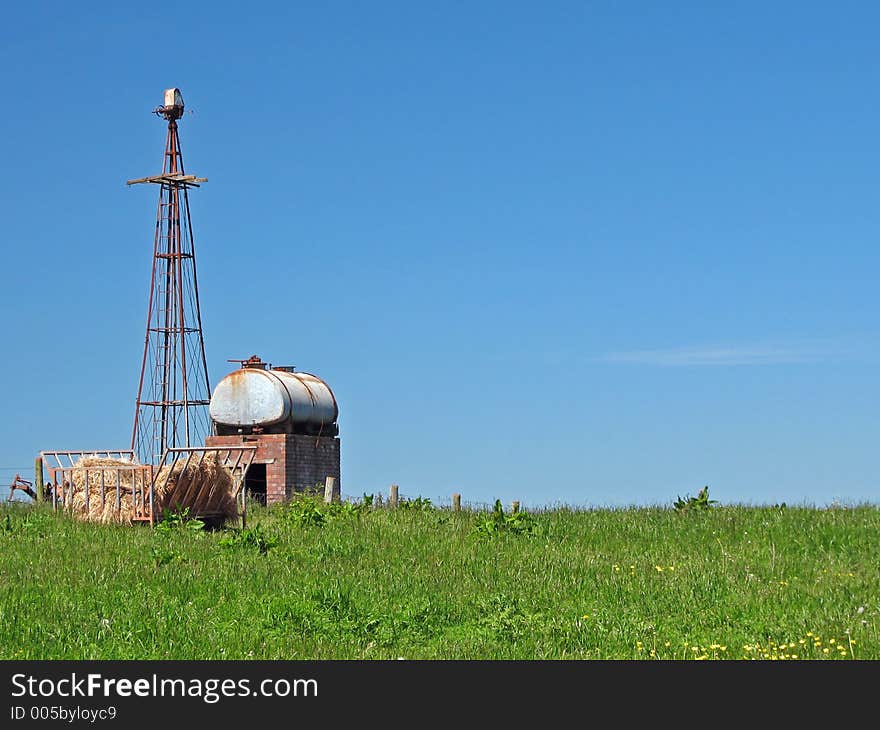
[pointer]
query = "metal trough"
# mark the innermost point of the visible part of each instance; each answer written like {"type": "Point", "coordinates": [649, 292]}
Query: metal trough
{"type": "Point", "coordinates": [185, 465]}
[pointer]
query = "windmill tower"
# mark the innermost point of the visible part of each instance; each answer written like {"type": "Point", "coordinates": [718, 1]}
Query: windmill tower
{"type": "Point", "coordinates": [173, 389]}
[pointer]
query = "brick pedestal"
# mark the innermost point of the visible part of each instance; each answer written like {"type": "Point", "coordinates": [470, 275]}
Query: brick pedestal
{"type": "Point", "coordinates": [294, 463]}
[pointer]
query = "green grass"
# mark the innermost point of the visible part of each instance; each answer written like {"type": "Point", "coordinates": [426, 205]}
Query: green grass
{"type": "Point", "coordinates": [728, 582]}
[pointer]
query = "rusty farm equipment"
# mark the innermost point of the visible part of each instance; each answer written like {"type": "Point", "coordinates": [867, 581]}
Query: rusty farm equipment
{"type": "Point", "coordinates": [22, 485]}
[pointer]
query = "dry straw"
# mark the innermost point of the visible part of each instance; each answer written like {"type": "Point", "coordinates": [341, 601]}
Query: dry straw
{"type": "Point", "coordinates": [205, 487]}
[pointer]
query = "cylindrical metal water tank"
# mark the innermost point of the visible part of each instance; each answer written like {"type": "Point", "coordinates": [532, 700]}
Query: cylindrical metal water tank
{"type": "Point", "coordinates": [273, 401]}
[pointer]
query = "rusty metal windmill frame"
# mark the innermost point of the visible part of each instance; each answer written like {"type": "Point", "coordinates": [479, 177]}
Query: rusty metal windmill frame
{"type": "Point", "coordinates": [173, 389]}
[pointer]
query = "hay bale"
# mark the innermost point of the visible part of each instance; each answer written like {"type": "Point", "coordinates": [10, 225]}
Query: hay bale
{"type": "Point", "coordinates": [128, 474]}
{"type": "Point", "coordinates": [205, 488]}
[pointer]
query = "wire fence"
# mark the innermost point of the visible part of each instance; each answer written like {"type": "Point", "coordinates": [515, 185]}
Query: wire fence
{"type": "Point", "coordinates": [446, 502]}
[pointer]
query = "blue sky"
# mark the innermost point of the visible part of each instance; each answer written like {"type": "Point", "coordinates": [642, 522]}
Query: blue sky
{"type": "Point", "coordinates": [583, 253]}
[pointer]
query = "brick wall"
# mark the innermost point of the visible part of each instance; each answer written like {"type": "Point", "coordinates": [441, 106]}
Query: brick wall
{"type": "Point", "coordinates": [294, 463]}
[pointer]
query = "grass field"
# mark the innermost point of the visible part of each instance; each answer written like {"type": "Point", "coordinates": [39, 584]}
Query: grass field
{"type": "Point", "coordinates": [308, 581]}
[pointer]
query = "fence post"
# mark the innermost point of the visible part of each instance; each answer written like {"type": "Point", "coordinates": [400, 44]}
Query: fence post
{"type": "Point", "coordinates": [38, 478]}
{"type": "Point", "coordinates": [456, 502]}
{"type": "Point", "coordinates": [392, 496]}
{"type": "Point", "coordinates": [329, 485]}
{"type": "Point", "coordinates": [515, 505]}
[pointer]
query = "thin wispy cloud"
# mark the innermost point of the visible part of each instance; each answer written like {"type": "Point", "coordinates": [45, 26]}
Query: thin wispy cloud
{"type": "Point", "coordinates": [723, 355]}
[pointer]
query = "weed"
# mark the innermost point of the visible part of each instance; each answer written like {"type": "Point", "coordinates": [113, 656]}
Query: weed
{"type": "Point", "coordinates": [31, 522]}
{"type": "Point", "coordinates": [515, 523]}
{"type": "Point", "coordinates": [163, 556]}
{"type": "Point", "coordinates": [419, 504]}
{"type": "Point", "coordinates": [310, 511]}
{"type": "Point", "coordinates": [691, 504]}
{"type": "Point", "coordinates": [502, 616]}
{"type": "Point", "coordinates": [249, 537]}
{"type": "Point", "coordinates": [179, 518]}
{"type": "Point", "coordinates": [344, 509]}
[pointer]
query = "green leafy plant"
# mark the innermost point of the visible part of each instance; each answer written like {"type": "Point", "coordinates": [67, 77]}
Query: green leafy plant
{"type": "Point", "coordinates": [25, 521]}
{"type": "Point", "coordinates": [419, 504]}
{"type": "Point", "coordinates": [305, 511]}
{"type": "Point", "coordinates": [698, 503]}
{"type": "Point", "coordinates": [502, 615]}
{"type": "Point", "coordinates": [179, 518]}
{"type": "Point", "coordinates": [308, 510]}
{"type": "Point", "coordinates": [163, 556]}
{"type": "Point", "coordinates": [250, 537]}
{"type": "Point", "coordinates": [344, 509]}
{"type": "Point", "coordinates": [515, 523]}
